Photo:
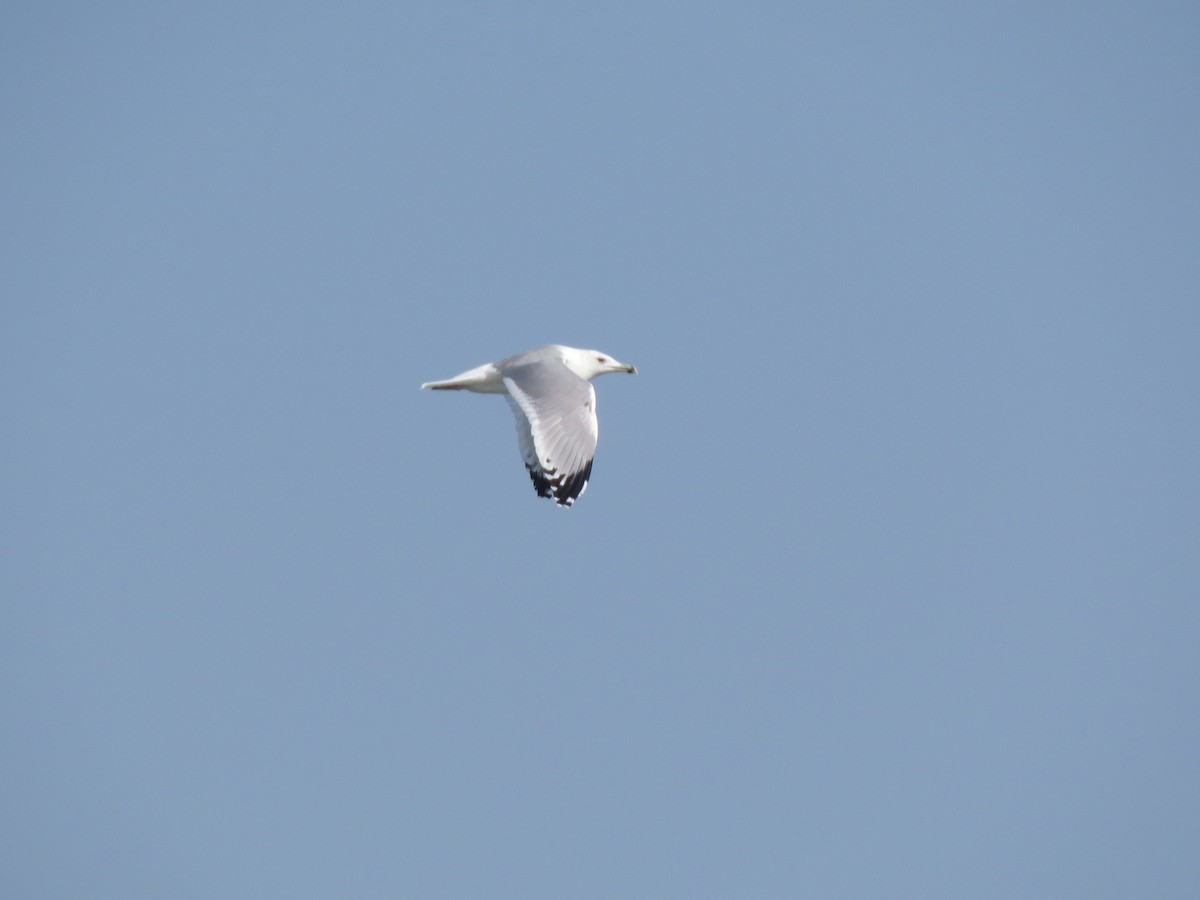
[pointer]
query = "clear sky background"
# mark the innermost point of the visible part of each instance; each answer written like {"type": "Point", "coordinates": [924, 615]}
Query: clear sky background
{"type": "Point", "coordinates": [887, 580]}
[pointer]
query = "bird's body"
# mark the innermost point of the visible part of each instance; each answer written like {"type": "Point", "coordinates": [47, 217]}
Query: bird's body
{"type": "Point", "coordinates": [554, 403]}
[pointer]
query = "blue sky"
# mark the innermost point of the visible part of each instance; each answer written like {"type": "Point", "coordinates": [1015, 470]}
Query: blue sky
{"type": "Point", "coordinates": [886, 581]}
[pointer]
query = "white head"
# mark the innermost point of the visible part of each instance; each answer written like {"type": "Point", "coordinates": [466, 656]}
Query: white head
{"type": "Point", "coordinates": [587, 364]}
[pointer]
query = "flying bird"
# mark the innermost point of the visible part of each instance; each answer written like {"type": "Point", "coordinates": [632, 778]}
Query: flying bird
{"type": "Point", "coordinates": [550, 394]}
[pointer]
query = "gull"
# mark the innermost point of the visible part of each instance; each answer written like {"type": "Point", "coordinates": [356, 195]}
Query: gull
{"type": "Point", "coordinates": [550, 394]}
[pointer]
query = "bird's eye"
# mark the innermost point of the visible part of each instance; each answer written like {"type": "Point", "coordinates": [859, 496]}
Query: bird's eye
{"type": "Point", "coordinates": [599, 359]}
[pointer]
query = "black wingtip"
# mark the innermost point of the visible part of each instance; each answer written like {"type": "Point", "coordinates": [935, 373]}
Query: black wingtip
{"type": "Point", "coordinates": [562, 489]}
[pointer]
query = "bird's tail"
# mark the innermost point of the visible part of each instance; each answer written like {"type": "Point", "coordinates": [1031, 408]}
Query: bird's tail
{"type": "Point", "coordinates": [451, 385]}
{"type": "Point", "coordinates": [482, 379]}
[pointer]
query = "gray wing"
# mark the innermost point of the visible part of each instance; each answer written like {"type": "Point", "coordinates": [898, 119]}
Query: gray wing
{"type": "Point", "coordinates": [557, 430]}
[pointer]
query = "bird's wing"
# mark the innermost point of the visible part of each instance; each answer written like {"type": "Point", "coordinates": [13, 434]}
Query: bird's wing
{"type": "Point", "coordinates": [557, 429]}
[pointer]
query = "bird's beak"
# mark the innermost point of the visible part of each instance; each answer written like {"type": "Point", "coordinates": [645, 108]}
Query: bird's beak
{"type": "Point", "coordinates": [632, 370]}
